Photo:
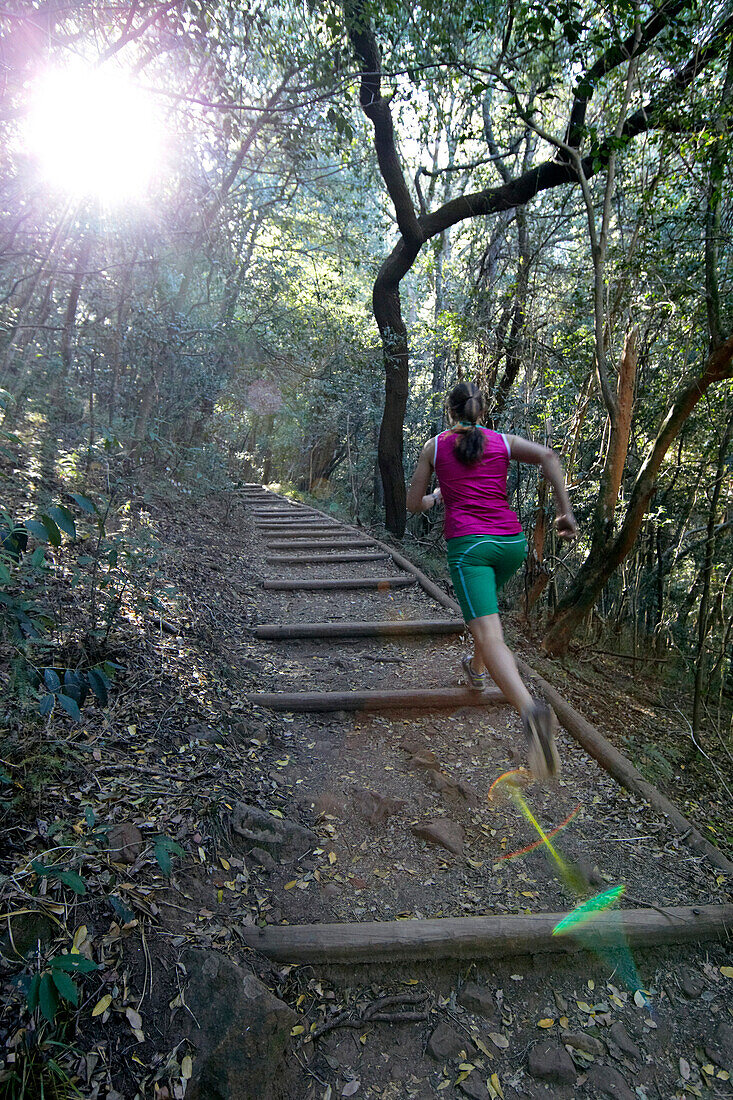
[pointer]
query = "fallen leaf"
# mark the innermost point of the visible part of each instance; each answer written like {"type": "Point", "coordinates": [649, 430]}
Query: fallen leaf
{"type": "Point", "coordinates": [103, 1005]}
{"type": "Point", "coordinates": [547, 1022]}
{"type": "Point", "coordinates": [332, 857]}
{"type": "Point", "coordinates": [499, 1041]}
{"type": "Point", "coordinates": [727, 971]}
{"type": "Point", "coordinates": [297, 1030]}
{"type": "Point", "coordinates": [685, 1069]}
{"type": "Point", "coordinates": [187, 1068]}
{"type": "Point", "coordinates": [135, 1019]}
{"type": "Point", "coordinates": [290, 885]}
{"type": "Point", "coordinates": [496, 1083]}
{"type": "Point", "coordinates": [350, 1088]}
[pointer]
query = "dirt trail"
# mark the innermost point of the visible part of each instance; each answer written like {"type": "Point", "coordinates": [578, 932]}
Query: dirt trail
{"type": "Point", "coordinates": [365, 782]}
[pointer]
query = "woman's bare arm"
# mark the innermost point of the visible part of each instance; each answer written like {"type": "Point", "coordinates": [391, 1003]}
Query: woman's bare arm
{"type": "Point", "coordinates": [523, 450]}
{"type": "Point", "coordinates": [418, 498]}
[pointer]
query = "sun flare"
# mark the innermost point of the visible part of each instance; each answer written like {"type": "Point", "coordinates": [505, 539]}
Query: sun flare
{"type": "Point", "coordinates": [93, 133]}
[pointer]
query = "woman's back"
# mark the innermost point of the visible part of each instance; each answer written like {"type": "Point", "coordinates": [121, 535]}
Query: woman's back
{"type": "Point", "coordinates": [475, 495]}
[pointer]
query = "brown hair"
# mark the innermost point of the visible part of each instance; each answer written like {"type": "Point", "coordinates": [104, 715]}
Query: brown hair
{"type": "Point", "coordinates": [466, 405]}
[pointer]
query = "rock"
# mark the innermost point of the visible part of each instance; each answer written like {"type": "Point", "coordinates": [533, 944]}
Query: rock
{"type": "Point", "coordinates": [477, 998]}
{"type": "Point", "coordinates": [719, 1048]}
{"type": "Point", "coordinates": [620, 1036]}
{"type": "Point", "coordinates": [28, 929]}
{"type": "Point", "coordinates": [331, 890]}
{"type": "Point", "coordinates": [259, 855]}
{"type": "Point", "coordinates": [240, 1029]}
{"type": "Point", "coordinates": [249, 665]}
{"type": "Point", "coordinates": [125, 842]}
{"type": "Point", "coordinates": [549, 1061]}
{"type": "Point", "coordinates": [474, 1087]}
{"type": "Point", "coordinates": [445, 1043]}
{"type": "Point", "coordinates": [441, 833]}
{"type": "Point", "coordinates": [376, 808]}
{"type": "Point", "coordinates": [280, 836]}
{"type": "Point", "coordinates": [327, 805]}
{"type": "Point", "coordinates": [607, 1081]}
{"type": "Point", "coordinates": [199, 731]}
{"type": "Point", "coordinates": [426, 759]}
{"type": "Point", "coordinates": [691, 983]}
{"type": "Point", "coordinates": [580, 1040]}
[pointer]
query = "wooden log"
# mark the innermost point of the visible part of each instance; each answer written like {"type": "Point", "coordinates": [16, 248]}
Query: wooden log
{"type": "Point", "coordinates": [319, 559]}
{"type": "Point", "coordinates": [303, 529]}
{"type": "Point", "coordinates": [484, 937]}
{"type": "Point", "coordinates": [362, 701]}
{"type": "Point", "coordinates": [398, 629]}
{"type": "Point", "coordinates": [296, 543]}
{"type": "Point", "coordinates": [383, 584]}
{"type": "Point", "coordinates": [592, 740]}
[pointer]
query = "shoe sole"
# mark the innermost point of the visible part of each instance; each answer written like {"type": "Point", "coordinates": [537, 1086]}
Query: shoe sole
{"type": "Point", "coordinates": [469, 677]}
{"type": "Point", "coordinates": [543, 758]}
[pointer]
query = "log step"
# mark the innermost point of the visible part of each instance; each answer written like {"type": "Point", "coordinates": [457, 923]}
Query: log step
{"type": "Point", "coordinates": [362, 701]}
{"type": "Point", "coordinates": [304, 528]}
{"type": "Point", "coordinates": [308, 532]}
{"type": "Point", "coordinates": [399, 628]}
{"type": "Point", "coordinates": [322, 544]}
{"type": "Point", "coordinates": [384, 584]}
{"type": "Point", "coordinates": [483, 937]}
{"type": "Point", "coordinates": [318, 559]}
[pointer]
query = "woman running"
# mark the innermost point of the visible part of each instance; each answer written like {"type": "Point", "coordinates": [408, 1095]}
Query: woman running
{"type": "Point", "coordinates": [486, 545]}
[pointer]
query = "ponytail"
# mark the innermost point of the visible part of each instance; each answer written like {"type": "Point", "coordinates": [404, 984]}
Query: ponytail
{"type": "Point", "coordinates": [466, 405]}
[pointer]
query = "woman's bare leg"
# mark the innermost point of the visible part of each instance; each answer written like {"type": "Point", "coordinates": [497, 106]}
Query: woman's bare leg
{"type": "Point", "coordinates": [492, 652]}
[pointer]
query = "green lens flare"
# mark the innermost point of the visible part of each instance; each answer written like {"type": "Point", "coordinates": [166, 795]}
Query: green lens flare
{"type": "Point", "coordinates": [585, 912]}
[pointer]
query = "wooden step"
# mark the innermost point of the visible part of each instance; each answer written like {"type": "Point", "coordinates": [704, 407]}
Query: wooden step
{"type": "Point", "coordinates": [325, 543]}
{"type": "Point", "coordinates": [322, 584]}
{"type": "Point", "coordinates": [299, 525]}
{"type": "Point", "coordinates": [484, 937]}
{"type": "Point", "coordinates": [396, 629]}
{"type": "Point", "coordinates": [319, 559]}
{"type": "Point", "coordinates": [362, 701]}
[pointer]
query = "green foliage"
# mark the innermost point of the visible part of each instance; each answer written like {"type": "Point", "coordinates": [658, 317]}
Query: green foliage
{"type": "Point", "coordinates": [54, 983]}
{"type": "Point", "coordinates": [163, 846]}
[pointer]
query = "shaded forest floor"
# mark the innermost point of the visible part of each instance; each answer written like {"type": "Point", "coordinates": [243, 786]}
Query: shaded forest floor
{"type": "Point", "coordinates": [140, 801]}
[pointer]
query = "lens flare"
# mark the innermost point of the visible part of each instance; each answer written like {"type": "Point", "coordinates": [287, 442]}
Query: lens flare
{"type": "Point", "coordinates": [594, 923]}
{"type": "Point", "coordinates": [93, 132]}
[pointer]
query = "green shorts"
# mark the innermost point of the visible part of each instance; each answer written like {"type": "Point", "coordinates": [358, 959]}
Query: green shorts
{"type": "Point", "coordinates": [479, 566]}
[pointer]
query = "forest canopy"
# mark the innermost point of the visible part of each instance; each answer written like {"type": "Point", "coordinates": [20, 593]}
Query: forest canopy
{"type": "Point", "coordinates": [268, 238]}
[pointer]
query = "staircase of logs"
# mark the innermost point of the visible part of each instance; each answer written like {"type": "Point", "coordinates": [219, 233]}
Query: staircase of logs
{"type": "Point", "coordinates": [298, 534]}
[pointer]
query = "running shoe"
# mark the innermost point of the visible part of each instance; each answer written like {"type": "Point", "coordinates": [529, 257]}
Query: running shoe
{"type": "Point", "coordinates": [476, 680]}
{"type": "Point", "coordinates": [539, 728]}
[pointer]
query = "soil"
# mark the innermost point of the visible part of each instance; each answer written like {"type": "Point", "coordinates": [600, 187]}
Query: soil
{"type": "Point", "coordinates": [181, 743]}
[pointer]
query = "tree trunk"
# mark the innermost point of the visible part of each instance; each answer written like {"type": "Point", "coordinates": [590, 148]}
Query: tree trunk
{"type": "Point", "coordinates": [604, 559]}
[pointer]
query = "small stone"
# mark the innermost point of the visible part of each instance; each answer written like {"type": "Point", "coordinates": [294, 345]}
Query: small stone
{"type": "Point", "coordinates": [199, 731]}
{"type": "Point", "coordinates": [327, 805]}
{"type": "Point", "coordinates": [580, 1040]}
{"type": "Point", "coordinates": [445, 1043]}
{"type": "Point", "coordinates": [249, 665]}
{"type": "Point", "coordinates": [265, 860]}
{"type": "Point", "coordinates": [279, 836]}
{"type": "Point", "coordinates": [549, 1061]}
{"type": "Point", "coordinates": [376, 808]}
{"type": "Point", "coordinates": [425, 759]}
{"type": "Point", "coordinates": [477, 998]}
{"type": "Point", "coordinates": [474, 1087]}
{"type": "Point", "coordinates": [719, 1048]}
{"type": "Point", "coordinates": [331, 890]}
{"type": "Point", "coordinates": [441, 833]}
{"type": "Point", "coordinates": [607, 1081]}
{"type": "Point", "coordinates": [691, 983]}
{"type": "Point", "coordinates": [620, 1036]}
{"type": "Point", "coordinates": [125, 842]}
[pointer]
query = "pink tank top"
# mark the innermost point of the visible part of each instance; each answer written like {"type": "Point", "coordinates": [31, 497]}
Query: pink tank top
{"type": "Point", "coordinates": [475, 496]}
